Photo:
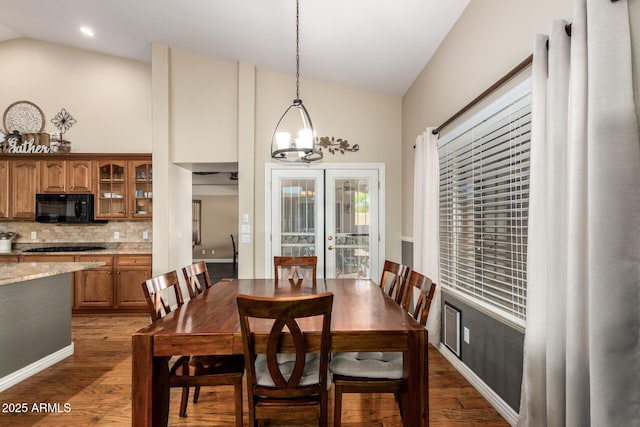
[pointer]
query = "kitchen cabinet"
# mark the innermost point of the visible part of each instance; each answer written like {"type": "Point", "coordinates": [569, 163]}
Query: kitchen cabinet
{"type": "Point", "coordinates": [125, 189]}
{"type": "Point", "coordinates": [112, 191]}
{"type": "Point", "coordinates": [66, 176]}
{"type": "Point", "coordinates": [140, 189]}
{"type": "Point", "coordinates": [131, 271]}
{"type": "Point", "coordinates": [113, 287]}
{"type": "Point", "coordinates": [94, 288]}
{"type": "Point", "coordinates": [24, 181]}
{"type": "Point", "coordinates": [4, 189]}
{"type": "Point", "coordinates": [122, 183]}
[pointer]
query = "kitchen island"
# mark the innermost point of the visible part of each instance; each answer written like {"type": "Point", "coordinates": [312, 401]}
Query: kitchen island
{"type": "Point", "coordinates": [35, 317]}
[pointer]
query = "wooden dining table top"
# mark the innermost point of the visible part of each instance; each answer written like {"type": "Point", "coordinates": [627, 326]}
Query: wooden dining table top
{"type": "Point", "coordinates": [360, 309]}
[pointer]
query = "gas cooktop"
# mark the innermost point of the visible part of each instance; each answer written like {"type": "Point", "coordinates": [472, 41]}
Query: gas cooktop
{"type": "Point", "coordinates": [66, 249]}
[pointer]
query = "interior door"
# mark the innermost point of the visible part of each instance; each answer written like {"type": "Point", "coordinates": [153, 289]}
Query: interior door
{"type": "Point", "coordinates": [351, 243]}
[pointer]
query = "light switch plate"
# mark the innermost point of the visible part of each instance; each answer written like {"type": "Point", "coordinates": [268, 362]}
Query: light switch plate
{"type": "Point", "coordinates": [466, 334]}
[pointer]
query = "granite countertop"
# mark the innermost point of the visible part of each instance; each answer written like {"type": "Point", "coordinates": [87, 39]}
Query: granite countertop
{"type": "Point", "coordinates": [96, 252]}
{"type": "Point", "coordinates": [110, 249]}
{"type": "Point", "coordinates": [23, 271]}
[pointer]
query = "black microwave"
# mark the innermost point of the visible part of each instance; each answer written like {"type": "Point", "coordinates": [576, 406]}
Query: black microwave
{"type": "Point", "coordinates": [65, 208]}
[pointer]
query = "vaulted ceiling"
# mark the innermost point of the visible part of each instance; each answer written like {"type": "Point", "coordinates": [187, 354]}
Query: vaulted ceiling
{"type": "Point", "coordinates": [377, 45]}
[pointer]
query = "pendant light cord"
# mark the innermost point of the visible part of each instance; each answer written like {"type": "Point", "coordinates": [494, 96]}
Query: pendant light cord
{"type": "Point", "coordinates": [297, 49]}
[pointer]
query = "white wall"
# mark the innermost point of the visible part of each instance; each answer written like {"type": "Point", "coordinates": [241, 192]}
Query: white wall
{"type": "Point", "coordinates": [204, 109]}
{"type": "Point", "coordinates": [490, 38]}
{"type": "Point", "coordinates": [109, 97]}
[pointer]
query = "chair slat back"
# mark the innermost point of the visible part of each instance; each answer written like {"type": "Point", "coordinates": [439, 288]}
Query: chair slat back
{"type": "Point", "coordinates": [426, 289]}
{"type": "Point", "coordinates": [393, 280]}
{"type": "Point", "coordinates": [158, 292]}
{"type": "Point", "coordinates": [295, 266]}
{"type": "Point", "coordinates": [192, 274]}
{"type": "Point", "coordinates": [285, 332]}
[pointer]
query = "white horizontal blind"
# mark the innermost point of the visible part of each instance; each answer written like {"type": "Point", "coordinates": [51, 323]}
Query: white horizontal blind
{"type": "Point", "coordinates": [484, 202]}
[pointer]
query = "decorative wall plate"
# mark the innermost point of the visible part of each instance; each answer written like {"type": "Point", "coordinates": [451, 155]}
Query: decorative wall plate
{"type": "Point", "coordinates": [23, 116]}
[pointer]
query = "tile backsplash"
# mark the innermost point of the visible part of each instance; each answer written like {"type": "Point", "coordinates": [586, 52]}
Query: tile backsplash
{"type": "Point", "coordinates": [128, 231]}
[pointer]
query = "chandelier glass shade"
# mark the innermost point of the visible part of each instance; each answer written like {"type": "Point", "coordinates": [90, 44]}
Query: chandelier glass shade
{"type": "Point", "coordinates": [294, 138]}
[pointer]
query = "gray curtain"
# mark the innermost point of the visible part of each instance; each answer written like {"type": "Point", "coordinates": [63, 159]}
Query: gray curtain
{"type": "Point", "coordinates": [582, 341]}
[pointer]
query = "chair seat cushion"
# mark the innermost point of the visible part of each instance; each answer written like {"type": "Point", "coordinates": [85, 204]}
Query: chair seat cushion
{"type": "Point", "coordinates": [286, 362]}
{"type": "Point", "coordinates": [373, 364]}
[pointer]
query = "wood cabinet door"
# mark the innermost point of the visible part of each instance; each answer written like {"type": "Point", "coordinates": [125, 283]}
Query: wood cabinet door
{"type": "Point", "coordinates": [140, 189]}
{"type": "Point", "coordinates": [79, 173]}
{"type": "Point", "coordinates": [94, 288]}
{"type": "Point", "coordinates": [4, 189]}
{"type": "Point", "coordinates": [131, 271]}
{"type": "Point", "coordinates": [52, 176]}
{"type": "Point", "coordinates": [111, 189]}
{"type": "Point", "coordinates": [24, 184]}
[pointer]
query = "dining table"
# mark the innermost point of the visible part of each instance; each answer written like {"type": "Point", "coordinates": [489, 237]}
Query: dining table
{"type": "Point", "coordinates": [364, 318]}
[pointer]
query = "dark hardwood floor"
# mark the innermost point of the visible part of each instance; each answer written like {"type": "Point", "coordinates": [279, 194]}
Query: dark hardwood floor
{"type": "Point", "coordinates": [221, 270]}
{"type": "Point", "coordinates": [95, 386]}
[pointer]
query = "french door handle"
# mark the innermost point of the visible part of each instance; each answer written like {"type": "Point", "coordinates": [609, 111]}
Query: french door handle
{"type": "Point", "coordinates": [330, 238]}
{"type": "Point", "coordinates": [329, 247]}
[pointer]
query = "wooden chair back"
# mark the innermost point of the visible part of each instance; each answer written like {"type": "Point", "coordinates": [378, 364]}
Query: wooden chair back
{"type": "Point", "coordinates": [422, 304]}
{"type": "Point", "coordinates": [285, 396]}
{"type": "Point", "coordinates": [393, 280]}
{"type": "Point", "coordinates": [158, 292]}
{"type": "Point", "coordinates": [235, 256]}
{"type": "Point", "coordinates": [295, 266]}
{"type": "Point", "coordinates": [192, 274]}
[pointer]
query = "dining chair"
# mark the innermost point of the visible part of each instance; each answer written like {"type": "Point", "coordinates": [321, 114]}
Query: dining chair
{"type": "Point", "coordinates": [235, 256]}
{"type": "Point", "coordinates": [393, 280]}
{"type": "Point", "coordinates": [286, 386]}
{"type": "Point", "coordinates": [379, 372]}
{"type": "Point", "coordinates": [295, 266]}
{"type": "Point", "coordinates": [163, 295]}
{"type": "Point", "coordinates": [192, 274]}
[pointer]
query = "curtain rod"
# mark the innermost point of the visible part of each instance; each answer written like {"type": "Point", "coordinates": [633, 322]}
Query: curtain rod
{"type": "Point", "coordinates": [521, 66]}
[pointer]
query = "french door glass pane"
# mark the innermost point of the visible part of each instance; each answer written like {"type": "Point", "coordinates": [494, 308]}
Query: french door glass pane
{"type": "Point", "coordinates": [297, 220]}
{"type": "Point", "coordinates": [352, 235]}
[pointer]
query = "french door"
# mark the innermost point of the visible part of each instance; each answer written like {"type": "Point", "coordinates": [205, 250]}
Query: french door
{"type": "Point", "coordinates": [332, 213]}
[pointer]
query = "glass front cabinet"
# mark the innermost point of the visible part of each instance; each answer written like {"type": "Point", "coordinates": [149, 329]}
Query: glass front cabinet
{"type": "Point", "coordinates": [124, 189]}
{"type": "Point", "coordinates": [141, 189]}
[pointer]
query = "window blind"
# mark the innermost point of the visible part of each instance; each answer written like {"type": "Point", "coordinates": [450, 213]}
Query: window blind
{"type": "Point", "coordinates": [484, 202]}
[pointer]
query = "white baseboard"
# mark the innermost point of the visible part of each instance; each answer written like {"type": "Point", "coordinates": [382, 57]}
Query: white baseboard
{"type": "Point", "coordinates": [37, 366]}
{"type": "Point", "coordinates": [492, 397]}
{"type": "Point", "coordinates": [214, 260]}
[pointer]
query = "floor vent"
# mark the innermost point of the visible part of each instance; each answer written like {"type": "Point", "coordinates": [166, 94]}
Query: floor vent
{"type": "Point", "coordinates": [451, 328]}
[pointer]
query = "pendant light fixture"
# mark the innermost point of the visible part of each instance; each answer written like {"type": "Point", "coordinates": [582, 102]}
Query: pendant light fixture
{"type": "Point", "coordinates": [294, 138]}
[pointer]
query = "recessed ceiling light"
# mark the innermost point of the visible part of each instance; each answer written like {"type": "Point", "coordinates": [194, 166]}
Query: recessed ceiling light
{"type": "Point", "coordinates": [87, 31]}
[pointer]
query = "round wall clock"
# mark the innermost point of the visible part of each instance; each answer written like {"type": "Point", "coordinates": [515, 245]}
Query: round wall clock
{"type": "Point", "coordinates": [23, 116]}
